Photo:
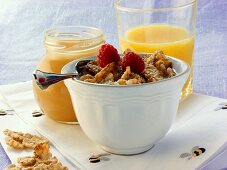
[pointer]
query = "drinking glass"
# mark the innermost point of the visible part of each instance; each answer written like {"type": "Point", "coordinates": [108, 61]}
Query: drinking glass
{"type": "Point", "coordinates": [167, 25]}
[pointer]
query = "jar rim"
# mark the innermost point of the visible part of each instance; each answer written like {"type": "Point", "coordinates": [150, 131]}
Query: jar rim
{"type": "Point", "coordinates": [49, 32]}
{"type": "Point", "coordinates": [73, 38]}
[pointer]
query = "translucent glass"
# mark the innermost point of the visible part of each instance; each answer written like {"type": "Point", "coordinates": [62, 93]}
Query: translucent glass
{"type": "Point", "coordinates": [149, 25]}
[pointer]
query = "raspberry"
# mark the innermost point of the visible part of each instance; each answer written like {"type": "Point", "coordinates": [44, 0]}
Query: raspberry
{"type": "Point", "coordinates": [107, 54]}
{"type": "Point", "coordinates": [41, 80]}
{"type": "Point", "coordinates": [133, 60]}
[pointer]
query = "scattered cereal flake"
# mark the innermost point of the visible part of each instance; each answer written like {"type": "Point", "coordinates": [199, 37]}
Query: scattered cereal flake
{"type": "Point", "coordinates": [170, 72]}
{"type": "Point", "coordinates": [120, 82]}
{"type": "Point", "coordinates": [14, 144]}
{"type": "Point", "coordinates": [42, 158]}
{"type": "Point", "coordinates": [104, 72]}
{"type": "Point", "coordinates": [93, 68]}
{"type": "Point", "coordinates": [132, 81]}
{"type": "Point", "coordinates": [18, 136]}
{"type": "Point", "coordinates": [138, 77]}
{"type": "Point", "coordinates": [27, 161]}
{"type": "Point", "coordinates": [126, 75]}
{"type": "Point", "coordinates": [151, 73]}
{"type": "Point", "coordinates": [42, 151]}
{"type": "Point", "coordinates": [19, 140]}
{"type": "Point", "coordinates": [85, 77]}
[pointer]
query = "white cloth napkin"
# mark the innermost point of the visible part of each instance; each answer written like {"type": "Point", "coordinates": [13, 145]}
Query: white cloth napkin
{"type": "Point", "coordinates": [14, 123]}
{"type": "Point", "coordinates": [197, 124]}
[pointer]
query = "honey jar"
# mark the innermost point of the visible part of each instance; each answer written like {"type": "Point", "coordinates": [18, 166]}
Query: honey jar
{"type": "Point", "coordinates": [64, 44]}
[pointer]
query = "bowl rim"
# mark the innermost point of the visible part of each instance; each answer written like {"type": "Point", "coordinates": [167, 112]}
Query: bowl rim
{"type": "Point", "coordinates": [131, 85]}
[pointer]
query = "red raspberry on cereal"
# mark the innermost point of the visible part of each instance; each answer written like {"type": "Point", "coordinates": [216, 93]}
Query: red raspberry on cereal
{"type": "Point", "coordinates": [133, 60]}
{"type": "Point", "coordinates": [107, 54]}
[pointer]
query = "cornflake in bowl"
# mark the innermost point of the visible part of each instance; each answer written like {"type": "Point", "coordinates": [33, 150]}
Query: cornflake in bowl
{"type": "Point", "coordinates": [125, 106]}
{"type": "Point", "coordinates": [156, 67]}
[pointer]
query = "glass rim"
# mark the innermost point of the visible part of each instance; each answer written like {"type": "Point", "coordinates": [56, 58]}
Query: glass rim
{"type": "Point", "coordinates": [128, 9]}
{"type": "Point", "coordinates": [48, 32]}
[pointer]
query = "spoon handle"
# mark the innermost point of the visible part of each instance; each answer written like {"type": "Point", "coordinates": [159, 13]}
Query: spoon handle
{"type": "Point", "coordinates": [44, 79]}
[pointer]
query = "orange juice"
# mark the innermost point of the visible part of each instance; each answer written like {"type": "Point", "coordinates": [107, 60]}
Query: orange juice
{"type": "Point", "coordinates": [55, 101]}
{"type": "Point", "coordinates": [174, 41]}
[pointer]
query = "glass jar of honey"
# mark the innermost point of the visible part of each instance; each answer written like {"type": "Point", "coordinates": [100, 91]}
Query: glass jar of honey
{"type": "Point", "coordinates": [64, 44]}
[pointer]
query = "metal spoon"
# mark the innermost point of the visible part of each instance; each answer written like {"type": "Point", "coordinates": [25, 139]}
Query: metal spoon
{"type": "Point", "coordinates": [45, 79]}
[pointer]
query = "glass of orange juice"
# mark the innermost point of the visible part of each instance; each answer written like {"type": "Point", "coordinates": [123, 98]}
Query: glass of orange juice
{"type": "Point", "coordinates": [148, 25]}
{"type": "Point", "coordinates": [64, 44]}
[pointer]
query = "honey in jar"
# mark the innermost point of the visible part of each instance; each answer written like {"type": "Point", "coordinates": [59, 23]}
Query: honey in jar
{"type": "Point", "coordinates": [64, 44]}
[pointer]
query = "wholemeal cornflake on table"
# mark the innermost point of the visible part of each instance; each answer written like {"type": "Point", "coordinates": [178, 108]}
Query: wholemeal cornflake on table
{"type": "Point", "coordinates": [42, 158]}
{"type": "Point", "coordinates": [157, 67]}
{"type": "Point", "coordinates": [19, 140]}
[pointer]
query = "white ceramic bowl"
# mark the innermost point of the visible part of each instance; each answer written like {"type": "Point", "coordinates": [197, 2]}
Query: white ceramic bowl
{"type": "Point", "coordinates": [126, 119]}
